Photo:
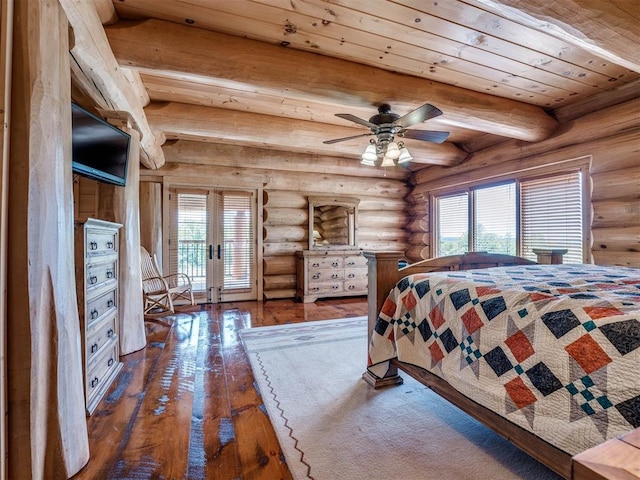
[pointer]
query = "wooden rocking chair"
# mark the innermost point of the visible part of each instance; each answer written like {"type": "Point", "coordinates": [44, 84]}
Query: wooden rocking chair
{"type": "Point", "coordinates": [160, 292]}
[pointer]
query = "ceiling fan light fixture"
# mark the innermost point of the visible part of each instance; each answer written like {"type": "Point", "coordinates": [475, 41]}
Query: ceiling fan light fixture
{"type": "Point", "coordinates": [405, 156]}
{"type": "Point", "coordinates": [393, 152]}
{"type": "Point", "coordinates": [370, 154]}
{"type": "Point", "coordinates": [388, 162]}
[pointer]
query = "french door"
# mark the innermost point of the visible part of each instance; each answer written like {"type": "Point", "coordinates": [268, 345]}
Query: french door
{"type": "Point", "coordinates": [212, 238]}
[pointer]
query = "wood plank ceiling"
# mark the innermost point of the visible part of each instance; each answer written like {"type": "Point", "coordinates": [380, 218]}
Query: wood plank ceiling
{"type": "Point", "coordinates": [273, 73]}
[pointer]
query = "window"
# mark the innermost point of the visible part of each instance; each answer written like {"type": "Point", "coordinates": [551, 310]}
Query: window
{"type": "Point", "coordinates": [513, 217]}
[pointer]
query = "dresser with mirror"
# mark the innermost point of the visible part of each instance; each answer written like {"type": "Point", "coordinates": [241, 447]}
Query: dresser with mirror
{"type": "Point", "coordinates": [333, 266]}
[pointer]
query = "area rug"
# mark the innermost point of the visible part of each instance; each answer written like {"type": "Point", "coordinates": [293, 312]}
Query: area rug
{"type": "Point", "coordinates": [332, 426]}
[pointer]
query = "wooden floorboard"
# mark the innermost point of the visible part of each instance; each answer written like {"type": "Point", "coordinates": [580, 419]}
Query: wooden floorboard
{"type": "Point", "coordinates": [186, 406]}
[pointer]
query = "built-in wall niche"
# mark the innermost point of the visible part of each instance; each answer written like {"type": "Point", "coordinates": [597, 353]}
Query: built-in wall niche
{"type": "Point", "coordinates": [333, 222]}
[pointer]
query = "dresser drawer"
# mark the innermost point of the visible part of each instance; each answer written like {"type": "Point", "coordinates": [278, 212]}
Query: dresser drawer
{"type": "Point", "coordinates": [99, 371]}
{"type": "Point", "coordinates": [356, 274]}
{"type": "Point", "coordinates": [100, 273]}
{"type": "Point", "coordinates": [316, 275]}
{"type": "Point", "coordinates": [354, 286]}
{"type": "Point", "coordinates": [100, 242]}
{"type": "Point", "coordinates": [98, 335]}
{"type": "Point", "coordinates": [99, 306]}
{"type": "Point", "coordinates": [328, 287]}
{"type": "Point", "coordinates": [326, 262]}
{"type": "Point", "coordinates": [355, 261]}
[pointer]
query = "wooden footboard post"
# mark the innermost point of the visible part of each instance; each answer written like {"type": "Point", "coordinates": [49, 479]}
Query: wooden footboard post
{"type": "Point", "coordinates": [382, 276]}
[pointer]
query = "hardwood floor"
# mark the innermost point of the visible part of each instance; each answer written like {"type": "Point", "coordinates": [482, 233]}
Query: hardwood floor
{"type": "Point", "coordinates": [185, 407]}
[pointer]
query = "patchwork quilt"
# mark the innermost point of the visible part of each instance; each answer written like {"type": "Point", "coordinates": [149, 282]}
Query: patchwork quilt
{"type": "Point", "coordinates": [553, 348]}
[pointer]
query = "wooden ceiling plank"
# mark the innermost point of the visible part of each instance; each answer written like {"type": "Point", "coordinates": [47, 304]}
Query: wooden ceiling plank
{"type": "Point", "coordinates": [606, 28]}
{"type": "Point", "coordinates": [263, 131]}
{"type": "Point", "coordinates": [565, 57]}
{"type": "Point", "coordinates": [412, 26]}
{"type": "Point", "coordinates": [158, 44]}
{"type": "Point", "coordinates": [93, 57]}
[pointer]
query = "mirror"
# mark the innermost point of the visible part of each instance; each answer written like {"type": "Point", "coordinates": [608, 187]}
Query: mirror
{"type": "Point", "coordinates": [333, 222]}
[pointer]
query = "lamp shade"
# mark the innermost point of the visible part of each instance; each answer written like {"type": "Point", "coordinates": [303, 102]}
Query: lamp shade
{"type": "Point", "coordinates": [405, 156]}
{"type": "Point", "coordinates": [370, 154]}
{"type": "Point", "coordinates": [388, 162]}
{"type": "Point", "coordinates": [368, 163]}
{"type": "Point", "coordinates": [393, 151]}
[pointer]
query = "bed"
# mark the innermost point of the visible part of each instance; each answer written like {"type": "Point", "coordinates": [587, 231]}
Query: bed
{"type": "Point", "coordinates": [548, 356]}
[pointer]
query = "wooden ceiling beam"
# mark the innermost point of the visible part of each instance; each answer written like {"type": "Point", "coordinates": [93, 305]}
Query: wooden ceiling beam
{"type": "Point", "coordinates": [102, 79]}
{"type": "Point", "coordinates": [606, 28]}
{"type": "Point", "coordinates": [191, 122]}
{"type": "Point", "coordinates": [250, 65]}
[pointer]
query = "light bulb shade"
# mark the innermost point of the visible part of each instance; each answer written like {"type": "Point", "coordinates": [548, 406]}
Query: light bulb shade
{"type": "Point", "coordinates": [405, 156]}
{"type": "Point", "coordinates": [370, 154]}
{"type": "Point", "coordinates": [393, 151]}
{"type": "Point", "coordinates": [388, 162]}
{"type": "Point", "coordinates": [368, 163]}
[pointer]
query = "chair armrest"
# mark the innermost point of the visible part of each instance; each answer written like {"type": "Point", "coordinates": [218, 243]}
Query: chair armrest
{"type": "Point", "coordinates": [178, 280]}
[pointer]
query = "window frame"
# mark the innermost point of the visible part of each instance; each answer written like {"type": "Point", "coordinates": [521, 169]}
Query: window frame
{"type": "Point", "coordinates": [579, 165]}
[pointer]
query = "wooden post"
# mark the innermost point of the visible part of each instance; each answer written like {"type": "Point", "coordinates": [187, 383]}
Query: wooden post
{"type": "Point", "coordinates": [382, 267]}
{"type": "Point", "coordinates": [47, 429]}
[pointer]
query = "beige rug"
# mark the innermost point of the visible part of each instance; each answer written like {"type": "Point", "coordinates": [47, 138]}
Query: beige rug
{"type": "Point", "coordinates": [333, 426]}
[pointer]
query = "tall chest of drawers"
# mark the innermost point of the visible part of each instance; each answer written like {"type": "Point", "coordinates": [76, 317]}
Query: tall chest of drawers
{"type": "Point", "coordinates": [96, 265]}
{"type": "Point", "coordinates": [330, 273]}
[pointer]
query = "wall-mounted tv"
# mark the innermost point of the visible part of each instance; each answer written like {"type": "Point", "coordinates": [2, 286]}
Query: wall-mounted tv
{"type": "Point", "coordinates": [100, 150]}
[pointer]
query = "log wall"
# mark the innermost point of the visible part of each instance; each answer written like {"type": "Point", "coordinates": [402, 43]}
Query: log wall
{"type": "Point", "coordinates": [610, 138]}
{"type": "Point", "coordinates": [285, 228]}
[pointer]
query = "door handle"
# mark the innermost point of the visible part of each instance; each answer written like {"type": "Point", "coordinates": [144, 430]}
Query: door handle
{"type": "Point", "coordinates": [210, 252]}
{"type": "Point", "coordinates": [219, 257]}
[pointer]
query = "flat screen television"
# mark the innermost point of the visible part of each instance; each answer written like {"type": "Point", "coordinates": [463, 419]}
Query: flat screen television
{"type": "Point", "coordinates": [100, 150]}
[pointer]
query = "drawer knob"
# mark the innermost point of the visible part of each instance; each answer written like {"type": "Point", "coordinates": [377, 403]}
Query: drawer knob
{"type": "Point", "coordinates": [93, 279]}
{"type": "Point", "coordinates": [109, 273]}
{"type": "Point", "coordinates": [316, 276]}
{"type": "Point", "coordinates": [95, 382]}
{"type": "Point", "coordinates": [110, 333]}
{"type": "Point", "coordinates": [110, 362]}
{"type": "Point", "coordinates": [352, 287]}
{"type": "Point", "coordinates": [351, 275]}
{"type": "Point", "coordinates": [94, 348]}
{"type": "Point", "coordinates": [351, 264]}
{"type": "Point", "coordinates": [109, 244]}
{"type": "Point", "coordinates": [94, 313]}
{"type": "Point", "coordinates": [110, 303]}
{"type": "Point", "coordinates": [336, 287]}
{"type": "Point", "coordinates": [334, 276]}
{"type": "Point", "coordinates": [315, 264]}
{"type": "Point", "coordinates": [334, 264]}
{"type": "Point", "coordinates": [314, 289]}
{"type": "Point", "coordinates": [93, 245]}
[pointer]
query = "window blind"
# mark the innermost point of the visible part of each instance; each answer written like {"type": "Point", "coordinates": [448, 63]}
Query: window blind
{"type": "Point", "coordinates": [188, 246]}
{"type": "Point", "coordinates": [452, 224]}
{"type": "Point", "coordinates": [238, 239]}
{"type": "Point", "coordinates": [551, 215]}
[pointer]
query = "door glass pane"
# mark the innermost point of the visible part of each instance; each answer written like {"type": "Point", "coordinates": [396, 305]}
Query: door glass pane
{"type": "Point", "coordinates": [238, 240]}
{"type": "Point", "coordinates": [191, 248]}
{"type": "Point", "coordinates": [452, 224]}
{"type": "Point", "coordinates": [495, 219]}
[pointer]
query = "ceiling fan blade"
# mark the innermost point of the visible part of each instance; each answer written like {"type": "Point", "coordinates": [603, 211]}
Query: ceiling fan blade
{"type": "Point", "coordinates": [336, 140]}
{"type": "Point", "coordinates": [353, 118]}
{"type": "Point", "coordinates": [426, 135]}
{"type": "Point", "coordinates": [419, 115]}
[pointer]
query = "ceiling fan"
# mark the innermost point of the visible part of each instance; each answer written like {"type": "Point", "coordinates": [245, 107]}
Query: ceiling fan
{"type": "Point", "coordinates": [383, 150]}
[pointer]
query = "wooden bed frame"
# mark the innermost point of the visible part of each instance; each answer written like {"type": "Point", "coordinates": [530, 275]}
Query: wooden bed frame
{"type": "Point", "coordinates": [615, 459]}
